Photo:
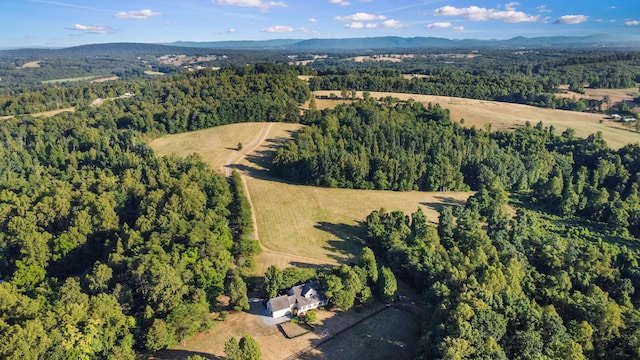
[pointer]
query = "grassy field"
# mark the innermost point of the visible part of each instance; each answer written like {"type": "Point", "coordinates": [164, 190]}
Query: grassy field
{"type": "Point", "coordinates": [31, 64]}
{"type": "Point", "coordinates": [391, 334]}
{"type": "Point", "coordinates": [103, 79]}
{"type": "Point", "coordinates": [301, 225]}
{"type": "Point", "coordinates": [216, 145]}
{"type": "Point", "coordinates": [79, 78]}
{"type": "Point", "coordinates": [44, 113]}
{"type": "Point", "coordinates": [150, 72]}
{"type": "Point", "coordinates": [481, 113]}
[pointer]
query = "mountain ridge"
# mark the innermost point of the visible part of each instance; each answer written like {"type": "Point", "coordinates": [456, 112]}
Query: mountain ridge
{"type": "Point", "coordinates": [344, 44]}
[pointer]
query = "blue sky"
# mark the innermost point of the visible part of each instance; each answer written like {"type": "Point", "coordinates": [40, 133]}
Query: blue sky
{"type": "Point", "coordinates": [60, 23]}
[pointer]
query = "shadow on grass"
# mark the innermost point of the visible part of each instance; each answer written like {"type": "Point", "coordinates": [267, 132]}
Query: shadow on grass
{"type": "Point", "coordinates": [381, 332]}
{"type": "Point", "coordinates": [349, 242]}
{"type": "Point", "coordinates": [181, 355]}
{"type": "Point", "coordinates": [443, 201]}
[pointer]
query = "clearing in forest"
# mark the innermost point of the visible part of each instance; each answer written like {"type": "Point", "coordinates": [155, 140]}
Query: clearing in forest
{"type": "Point", "coordinates": [109, 78]}
{"type": "Point", "coordinates": [44, 113]}
{"type": "Point", "coordinates": [296, 224]}
{"type": "Point", "coordinates": [501, 115]}
{"type": "Point", "coordinates": [79, 78]}
{"type": "Point", "coordinates": [31, 64]}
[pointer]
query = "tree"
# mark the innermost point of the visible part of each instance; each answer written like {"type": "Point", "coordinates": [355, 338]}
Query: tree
{"type": "Point", "coordinates": [249, 348]}
{"type": "Point", "coordinates": [238, 298]}
{"type": "Point", "coordinates": [159, 336]}
{"type": "Point", "coordinates": [232, 349]}
{"type": "Point", "coordinates": [387, 285]}
{"type": "Point", "coordinates": [368, 262]}
{"type": "Point", "coordinates": [272, 281]}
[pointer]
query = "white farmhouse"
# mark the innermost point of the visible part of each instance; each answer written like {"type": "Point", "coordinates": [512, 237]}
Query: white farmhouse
{"type": "Point", "coordinates": [302, 297]}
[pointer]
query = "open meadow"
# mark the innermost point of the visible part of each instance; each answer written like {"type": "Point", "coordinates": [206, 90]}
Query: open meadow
{"type": "Point", "coordinates": [501, 115]}
{"type": "Point", "coordinates": [79, 78]}
{"type": "Point", "coordinates": [297, 224]}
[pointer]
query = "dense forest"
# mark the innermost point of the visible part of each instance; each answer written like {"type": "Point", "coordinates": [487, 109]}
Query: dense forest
{"type": "Point", "coordinates": [107, 250]}
{"type": "Point", "coordinates": [513, 289]}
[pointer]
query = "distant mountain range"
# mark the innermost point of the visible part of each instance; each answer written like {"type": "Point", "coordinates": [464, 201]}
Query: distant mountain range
{"type": "Point", "coordinates": [394, 42]}
{"type": "Point", "coordinates": [348, 44]}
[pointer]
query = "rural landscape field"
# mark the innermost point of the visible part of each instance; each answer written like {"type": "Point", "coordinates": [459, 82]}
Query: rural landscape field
{"type": "Point", "coordinates": [246, 180]}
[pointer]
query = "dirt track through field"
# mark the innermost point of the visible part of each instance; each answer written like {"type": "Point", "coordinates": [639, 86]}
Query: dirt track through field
{"type": "Point", "coordinates": [234, 159]}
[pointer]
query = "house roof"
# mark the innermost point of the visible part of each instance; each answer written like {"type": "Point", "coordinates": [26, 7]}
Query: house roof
{"type": "Point", "coordinates": [304, 295]}
{"type": "Point", "coordinates": [299, 296]}
{"type": "Point", "coordinates": [280, 303]}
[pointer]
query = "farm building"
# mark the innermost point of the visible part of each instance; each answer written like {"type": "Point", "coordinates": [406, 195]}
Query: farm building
{"type": "Point", "coordinates": [302, 298]}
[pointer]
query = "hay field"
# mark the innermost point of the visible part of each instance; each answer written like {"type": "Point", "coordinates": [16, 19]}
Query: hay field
{"type": "Point", "coordinates": [31, 64]}
{"type": "Point", "coordinates": [216, 145]}
{"type": "Point", "coordinates": [296, 224]}
{"type": "Point", "coordinates": [481, 113]}
{"type": "Point", "coordinates": [79, 78]}
{"type": "Point", "coordinates": [109, 78]}
{"type": "Point", "coordinates": [43, 114]}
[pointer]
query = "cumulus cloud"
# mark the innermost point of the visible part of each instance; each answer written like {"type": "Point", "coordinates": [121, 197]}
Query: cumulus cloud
{"type": "Point", "coordinates": [313, 20]}
{"type": "Point", "coordinates": [358, 17]}
{"type": "Point", "coordinates": [93, 29]}
{"type": "Point", "coordinates": [438, 25]}
{"type": "Point", "coordinates": [392, 24]}
{"type": "Point", "coordinates": [571, 19]}
{"type": "Point", "coordinates": [388, 24]}
{"type": "Point", "coordinates": [278, 29]}
{"type": "Point", "coordinates": [458, 28]}
{"type": "Point", "coordinates": [632, 23]}
{"type": "Point", "coordinates": [263, 5]}
{"type": "Point", "coordinates": [340, 2]}
{"type": "Point", "coordinates": [370, 21]}
{"type": "Point", "coordinates": [139, 14]}
{"type": "Point", "coordinates": [475, 13]}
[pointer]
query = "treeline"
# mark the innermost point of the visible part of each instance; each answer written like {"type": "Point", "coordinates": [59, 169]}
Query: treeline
{"type": "Point", "coordinates": [395, 145]}
{"type": "Point", "coordinates": [480, 84]}
{"type": "Point", "coordinates": [516, 289]}
{"type": "Point", "coordinates": [181, 102]}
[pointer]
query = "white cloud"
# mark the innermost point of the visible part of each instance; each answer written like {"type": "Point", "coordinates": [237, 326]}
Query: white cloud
{"type": "Point", "coordinates": [546, 19]}
{"type": "Point", "coordinates": [359, 25]}
{"type": "Point", "coordinates": [358, 17]}
{"type": "Point", "coordinates": [543, 9]}
{"type": "Point", "coordinates": [263, 5]}
{"type": "Point", "coordinates": [632, 23]}
{"type": "Point", "coordinates": [278, 29]}
{"type": "Point", "coordinates": [438, 25]}
{"type": "Point", "coordinates": [340, 2]}
{"type": "Point", "coordinates": [94, 29]}
{"type": "Point", "coordinates": [231, 31]}
{"type": "Point", "coordinates": [571, 19]}
{"type": "Point", "coordinates": [388, 24]}
{"type": "Point", "coordinates": [458, 28]}
{"type": "Point", "coordinates": [392, 24]}
{"type": "Point", "coordinates": [511, 6]}
{"type": "Point", "coordinates": [475, 13]}
{"type": "Point", "coordinates": [313, 20]}
{"type": "Point", "coordinates": [140, 14]}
